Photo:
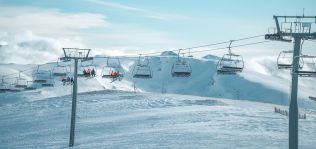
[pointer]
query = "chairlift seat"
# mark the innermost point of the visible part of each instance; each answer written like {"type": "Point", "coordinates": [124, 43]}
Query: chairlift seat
{"type": "Point", "coordinates": [4, 88]}
{"type": "Point", "coordinates": [306, 73]}
{"type": "Point", "coordinates": [226, 72]}
{"type": "Point", "coordinates": [40, 81]}
{"type": "Point", "coordinates": [47, 85]}
{"type": "Point", "coordinates": [59, 74]}
{"type": "Point", "coordinates": [232, 68]}
{"type": "Point", "coordinates": [143, 76]}
{"type": "Point", "coordinates": [284, 66]}
{"type": "Point", "coordinates": [181, 74]}
{"type": "Point", "coordinates": [20, 86]}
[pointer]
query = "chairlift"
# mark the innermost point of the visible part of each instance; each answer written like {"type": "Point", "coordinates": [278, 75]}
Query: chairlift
{"type": "Point", "coordinates": [285, 59]}
{"type": "Point", "coordinates": [190, 55]}
{"type": "Point", "coordinates": [308, 68]}
{"type": "Point", "coordinates": [29, 85]}
{"type": "Point", "coordinates": [87, 68]}
{"type": "Point", "coordinates": [62, 68]}
{"type": "Point", "coordinates": [142, 70]}
{"type": "Point", "coordinates": [21, 83]}
{"type": "Point", "coordinates": [4, 86]}
{"type": "Point", "coordinates": [113, 68]}
{"type": "Point", "coordinates": [43, 77]}
{"type": "Point", "coordinates": [230, 63]}
{"type": "Point", "coordinates": [181, 68]}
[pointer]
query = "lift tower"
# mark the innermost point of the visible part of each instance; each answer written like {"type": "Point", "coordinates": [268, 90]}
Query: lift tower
{"type": "Point", "coordinates": [298, 28]}
{"type": "Point", "coordinates": [76, 55]}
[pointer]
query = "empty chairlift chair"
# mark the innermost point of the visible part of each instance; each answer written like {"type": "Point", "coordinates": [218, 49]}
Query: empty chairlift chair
{"type": "Point", "coordinates": [181, 68]}
{"type": "Point", "coordinates": [308, 68]}
{"type": "Point", "coordinates": [142, 69]}
{"type": "Point", "coordinates": [30, 85]}
{"type": "Point", "coordinates": [284, 60]}
{"type": "Point", "coordinates": [113, 68]}
{"type": "Point", "coordinates": [62, 68]}
{"type": "Point", "coordinates": [20, 83]}
{"type": "Point", "coordinates": [43, 77]}
{"type": "Point", "coordinates": [230, 63]}
{"type": "Point", "coordinates": [4, 86]}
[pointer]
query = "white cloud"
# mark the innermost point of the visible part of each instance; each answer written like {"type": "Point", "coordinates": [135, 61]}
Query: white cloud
{"type": "Point", "coordinates": [47, 22]}
{"type": "Point", "coordinates": [36, 35]}
{"type": "Point", "coordinates": [139, 11]}
{"type": "Point", "coordinates": [29, 48]}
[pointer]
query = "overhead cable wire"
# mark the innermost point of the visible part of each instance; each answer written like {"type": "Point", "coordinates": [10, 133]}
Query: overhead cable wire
{"type": "Point", "coordinates": [221, 48]}
{"type": "Point", "coordinates": [207, 45]}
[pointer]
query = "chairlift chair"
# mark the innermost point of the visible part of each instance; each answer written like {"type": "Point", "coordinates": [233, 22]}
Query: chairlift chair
{"type": "Point", "coordinates": [20, 83]}
{"type": "Point", "coordinates": [181, 68]}
{"type": "Point", "coordinates": [85, 67]}
{"type": "Point", "coordinates": [29, 85]}
{"type": "Point", "coordinates": [62, 67]}
{"type": "Point", "coordinates": [112, 65]}
{"type": "Point", "coordinates": [43, 78]}
{"type": "Point", "coordinates": [308, 68]}
{"type": "Point", "coordinates": [142, 70]}
{"type": "Point", "coordinates": [4, 86]}
{"type": "Point", "coordinates": [61, 70]}
{"type": "Point", "coordinates": [284, 60]}
{"type": "Point", "coordinates": [230, 63]}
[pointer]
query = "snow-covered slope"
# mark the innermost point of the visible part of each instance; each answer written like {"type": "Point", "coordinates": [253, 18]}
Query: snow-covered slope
{"type": "Point", "coordinates": [114, 119]}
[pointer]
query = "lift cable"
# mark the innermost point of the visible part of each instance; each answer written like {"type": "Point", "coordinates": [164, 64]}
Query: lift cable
{"type": "Point", "coordinates": [221, 48]}
{"type": "Point", "coordinates": [207, 45]}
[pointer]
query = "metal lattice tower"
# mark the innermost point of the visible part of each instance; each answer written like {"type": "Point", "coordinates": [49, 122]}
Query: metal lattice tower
{"type": "Point", "coordinates": [75, 54]}
{"type": "Point", "coordinates": [298, 28]}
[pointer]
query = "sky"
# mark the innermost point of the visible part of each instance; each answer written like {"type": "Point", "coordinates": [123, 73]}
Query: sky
{"type": "Point", "coordinates": [34, 31]}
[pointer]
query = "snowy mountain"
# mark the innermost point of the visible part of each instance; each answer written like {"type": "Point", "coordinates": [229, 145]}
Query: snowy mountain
{"type": "Point", "coordinates": [168, 53]}
{"type": "Point", "coordinates": [261, 80]}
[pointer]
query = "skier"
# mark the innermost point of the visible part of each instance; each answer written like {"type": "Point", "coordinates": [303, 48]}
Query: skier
{"type": "Point", "coordinates": [93, 72]}
{"type": "Point", "coordinates": [71, 80]}
{"type": "Point", "coordinates": [63, 80]}
{"type": "Point", "coordinates": [68, 80]}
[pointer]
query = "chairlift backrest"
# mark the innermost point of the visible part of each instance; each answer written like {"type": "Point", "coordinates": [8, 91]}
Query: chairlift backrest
{"type": "Point", "coordinates": [308, 68]}
{"type": "Point", "coordinates": [113, 62]}
{"type": "Point", "coordinates": [142, 69]}
{"type": "Point", "coordinates": [86, 63]}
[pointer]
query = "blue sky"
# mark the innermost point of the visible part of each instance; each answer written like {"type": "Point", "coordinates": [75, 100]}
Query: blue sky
{"type": "Point", "coordinates": [146, 25]}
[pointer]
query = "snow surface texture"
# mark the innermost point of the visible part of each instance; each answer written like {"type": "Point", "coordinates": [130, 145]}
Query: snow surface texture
{"type": "Point", "coordinates": [120, 119]}
{"type": "Point", "coordinates": [116, 119]}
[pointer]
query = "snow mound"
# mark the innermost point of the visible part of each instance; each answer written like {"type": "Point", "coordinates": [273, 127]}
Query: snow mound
{"type": "Point", "coordinates": [168, 53]}
{"type": "Point", "coordinates": [210, 57]}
